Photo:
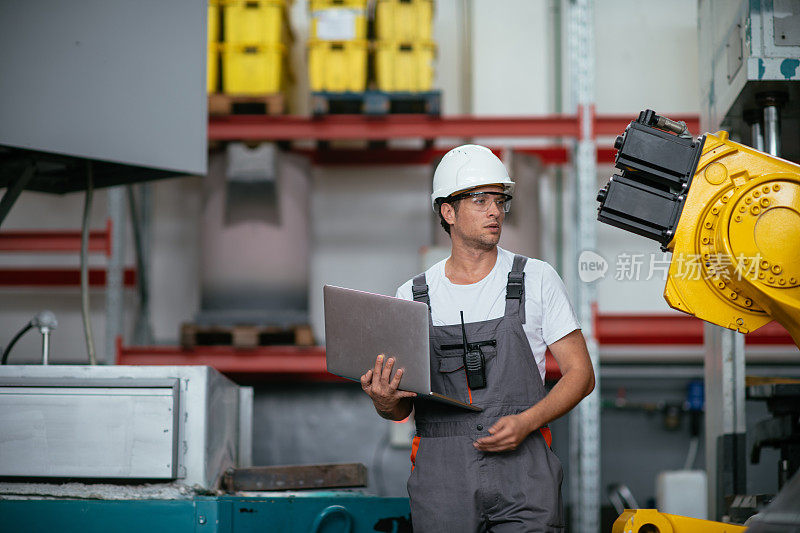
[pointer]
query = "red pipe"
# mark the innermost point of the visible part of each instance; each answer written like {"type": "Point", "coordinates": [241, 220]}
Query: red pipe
{"type": "Point", "coordinates": [55, 241]}
{"type": "Point", "coordinates": [58, 277]}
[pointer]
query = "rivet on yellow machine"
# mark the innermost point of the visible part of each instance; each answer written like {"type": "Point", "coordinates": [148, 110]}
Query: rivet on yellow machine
{"type": "Point", "coordinates": [729, 214]}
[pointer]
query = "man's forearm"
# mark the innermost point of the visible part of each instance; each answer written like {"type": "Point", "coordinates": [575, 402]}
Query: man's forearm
{"type": "Point", "coordinates": [566, 394]}
{"type": "Point", "coordinates": [399, 411]}
{"type": "Point", "coordinates": [510, 431]}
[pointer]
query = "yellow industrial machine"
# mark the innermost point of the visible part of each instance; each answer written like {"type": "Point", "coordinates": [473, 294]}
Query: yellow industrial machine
{"type": "Point", "coordinates": [652, 521]}
{"type": "Point", "coordinates": [729, 214]}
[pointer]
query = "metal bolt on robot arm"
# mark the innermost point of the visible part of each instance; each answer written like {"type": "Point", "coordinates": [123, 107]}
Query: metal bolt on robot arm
{"type": "Point", "coordinates": [729, 214]}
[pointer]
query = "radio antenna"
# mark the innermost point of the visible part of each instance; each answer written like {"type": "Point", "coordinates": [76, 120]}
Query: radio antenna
{"type": "Point", "coordinates": [464, 333]}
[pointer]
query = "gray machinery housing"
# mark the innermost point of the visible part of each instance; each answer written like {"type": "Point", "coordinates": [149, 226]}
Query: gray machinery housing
{"type": "Point", "coordinates": [183, 425]}
{"type": "Point", "coordinates": [749, 68]}
{"type": "Point", "coordinates": [121, 84]}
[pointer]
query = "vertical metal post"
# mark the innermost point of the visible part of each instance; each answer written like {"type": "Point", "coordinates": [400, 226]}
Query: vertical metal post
{"type": "Point", "coordinates": [45, 346]}
{"type": "Point", "coordinates": [753, 119]}
{"type": "Point", "coordinates": [558, 98]}
{"type": "Point", "coordinates": [726, 460]}
{"type": "Point", "coordinates": [146, 201]}
{"type": "Point", "coordinates": [140, 220]}
{"type": "Point", "coordinates": [757, 136]}
{"type": "Point", "coordinates": [771, 104]}
{"type": "Point", "coordinates": [772, 129]}
{"type": "Point", "coordinates": [114, 273]}
{"type": "Point", "coordinates": [146, 212]}
{"type": "Point", "coordinates": [586, 474]}
{"type": "Point", "coordinates": [466, 58]}
{"type": "Point", "coordinates": [86, 221]}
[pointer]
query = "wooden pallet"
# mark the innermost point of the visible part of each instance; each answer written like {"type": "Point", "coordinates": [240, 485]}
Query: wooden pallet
{"type": "Point", "coordinates": [245, 336]}
{"type": "Point", "coordinates": [231, 104]}
{"type": "Point", "coordinates": [269, 478]}
{"type": "Point", "coordinates": [376, 103]}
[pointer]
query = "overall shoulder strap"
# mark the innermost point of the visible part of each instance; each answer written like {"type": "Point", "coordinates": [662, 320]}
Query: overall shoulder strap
{"type": "Point", "coordinates": [515, 289]}
{"type": "Point", "coordinates": [419, 288]}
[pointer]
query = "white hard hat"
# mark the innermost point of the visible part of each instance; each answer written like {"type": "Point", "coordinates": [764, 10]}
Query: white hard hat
{"type": "Point", "coordinates": [466, 167]}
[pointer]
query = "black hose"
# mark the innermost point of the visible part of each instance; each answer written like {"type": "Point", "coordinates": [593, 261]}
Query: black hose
{"type": "Point", "coordinates": [11, 344]}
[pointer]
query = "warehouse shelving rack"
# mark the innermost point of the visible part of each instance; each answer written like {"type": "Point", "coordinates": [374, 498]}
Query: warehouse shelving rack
{"type": "Point", "coordinates": [303, 363]}
{"type": "Point", "coordinates": [308, 363]}
{"type": "Point", "coordinates": [56, 241]}
{"type": "Point", "coordinates": [114, 278]}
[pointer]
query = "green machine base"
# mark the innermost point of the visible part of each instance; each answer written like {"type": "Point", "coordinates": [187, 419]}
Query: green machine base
{"type": "Point", "coordinates": [313, 512]}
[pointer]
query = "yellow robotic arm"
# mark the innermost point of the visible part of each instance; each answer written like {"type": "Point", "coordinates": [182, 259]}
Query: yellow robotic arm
{"type": "Point", "coordinates": [729, 214]}
{"type": "Point", "coordinates": [650, 520]}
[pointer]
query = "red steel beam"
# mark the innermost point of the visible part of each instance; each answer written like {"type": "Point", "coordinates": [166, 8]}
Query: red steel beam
{"type": "Point", "coordinates": [552, 372]}
{"type": "Point", "coordinates": [55, 241]}
{"type": "Point", "coordinates": [625, 329]}
{"type": "Point", "coordinates": [606, 125]}
{"type": "Point", "coordinates": [266, 361]}
{"type": "Point", "coordinates": [638, 329]}
{"type": "Point", "coordinates": [333, 127]}
{"type": "Point", "coordinates": [58, 277]}
{"type": "Point", "coordinates": [299, 362]}
{"type": "Point", "coordinates": [606, 156]}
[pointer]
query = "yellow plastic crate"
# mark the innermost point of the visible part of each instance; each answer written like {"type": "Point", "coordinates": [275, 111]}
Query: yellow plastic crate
{"type": "Point", "coordinates": [315, 5]}
{"type": "Point", "coordinates": [338, 20]}
{"type": "Point", "coordinates": [337, 66]}
{"type": "Point", "coordinates": [253, 69]}
{"type": "Point", "coordinates": [404, 20]}
{"type": "Point", "coordinates": [213, 46]}
{"type": "Point", "coordinates": [404, 67]}
{"type": "Point", "coordinates": [256, 22]}
{"type": "Point", "coordinates": [213, 67]}
{"type": "Point", "coordinates": [213, 22]}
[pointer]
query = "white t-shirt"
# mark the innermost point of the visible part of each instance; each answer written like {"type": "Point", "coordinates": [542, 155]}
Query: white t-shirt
{"type": "Point", "coordinates": [548, 314]}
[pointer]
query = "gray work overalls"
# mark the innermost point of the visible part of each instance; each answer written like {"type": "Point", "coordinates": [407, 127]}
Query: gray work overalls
{"type": "Point", "coordinates": [454, 487]}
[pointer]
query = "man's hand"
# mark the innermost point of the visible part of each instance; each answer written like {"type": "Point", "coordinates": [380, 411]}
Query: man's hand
{"type": "Point", "coordinates": [577, 381]}
{"type": "Point", "coordinates": [505, 435]}
{"type": "Point", "coordinates": [389, 402]}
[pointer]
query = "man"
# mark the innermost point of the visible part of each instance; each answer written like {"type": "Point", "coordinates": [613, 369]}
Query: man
{"type": "Point", "coordinates": [493, 470]}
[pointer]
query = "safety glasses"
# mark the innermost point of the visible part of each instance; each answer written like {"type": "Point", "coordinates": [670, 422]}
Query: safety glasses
{"type": "Point", "coordinates": [482, 200]}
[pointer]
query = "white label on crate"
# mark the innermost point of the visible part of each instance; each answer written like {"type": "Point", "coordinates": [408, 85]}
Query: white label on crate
{"type": "Point", "coordinates": [336, 24]}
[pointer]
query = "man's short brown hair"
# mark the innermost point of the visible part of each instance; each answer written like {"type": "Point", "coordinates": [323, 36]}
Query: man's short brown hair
{"type": "Point", "coordinates": [442, 221]}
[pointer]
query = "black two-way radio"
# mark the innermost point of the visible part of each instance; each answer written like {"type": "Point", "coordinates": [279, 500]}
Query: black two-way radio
{"type": "Point", "coordinates": [474, 362]}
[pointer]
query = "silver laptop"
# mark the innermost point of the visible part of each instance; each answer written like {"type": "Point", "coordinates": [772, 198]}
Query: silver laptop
{"type": "Point", "coordinates": [360, 325]}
